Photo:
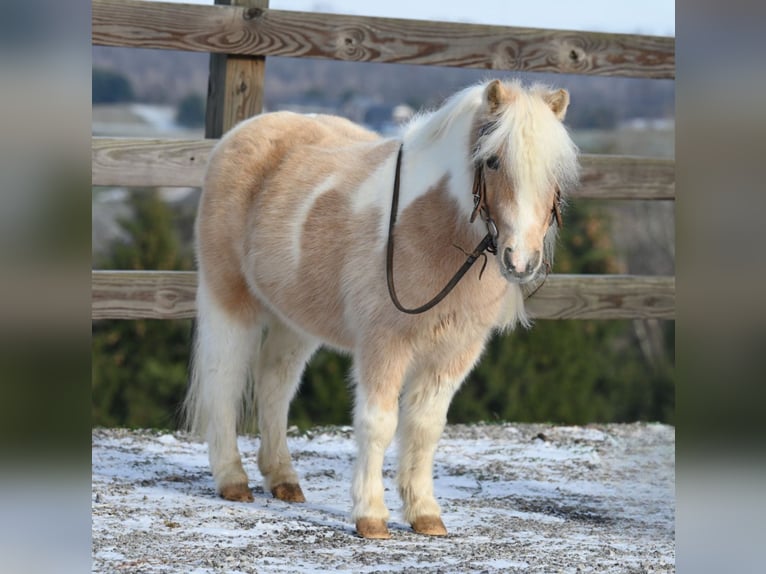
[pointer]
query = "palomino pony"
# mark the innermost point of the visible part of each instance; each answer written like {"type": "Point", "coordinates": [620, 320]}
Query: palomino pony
{"type": "Point", "coordinates": [293, 251]}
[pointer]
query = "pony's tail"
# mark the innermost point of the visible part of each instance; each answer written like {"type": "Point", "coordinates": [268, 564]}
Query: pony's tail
{"type": "Point", "coordinates": [193, 419]}
{"type": "Point", "coordinates": [219, 393]}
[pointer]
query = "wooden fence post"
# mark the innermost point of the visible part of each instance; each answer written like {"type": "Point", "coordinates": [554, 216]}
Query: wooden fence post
{"type": "Point", "coordinates": [235, 84]}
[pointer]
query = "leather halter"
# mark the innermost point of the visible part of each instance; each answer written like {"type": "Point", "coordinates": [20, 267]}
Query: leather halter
{"type": "Point", "coordinates": [480, 206]}
{"type": "Point", "coordinates": [488, 243]}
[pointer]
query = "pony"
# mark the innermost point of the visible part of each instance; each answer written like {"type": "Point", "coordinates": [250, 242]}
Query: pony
{"type": "Point", "coordinates": [312, 230]}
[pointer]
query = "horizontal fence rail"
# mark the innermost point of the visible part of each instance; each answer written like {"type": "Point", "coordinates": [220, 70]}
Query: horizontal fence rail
{"type": "Point", "coordinates": [264, 32]}
{"type": "Point", "coordinates": [143, 294]}
{"type": "Point", "coordinates": [136, 162]}
{"type": "Point", "coordinates": [171, 294]}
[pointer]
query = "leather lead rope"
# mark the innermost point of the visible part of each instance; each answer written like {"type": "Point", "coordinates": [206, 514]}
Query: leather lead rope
{"type": "Point", "coordinates": [486, 244]}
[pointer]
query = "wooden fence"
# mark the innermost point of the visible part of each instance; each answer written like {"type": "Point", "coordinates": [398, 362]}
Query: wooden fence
{"type": "Point", "coordinates": [240, 33]}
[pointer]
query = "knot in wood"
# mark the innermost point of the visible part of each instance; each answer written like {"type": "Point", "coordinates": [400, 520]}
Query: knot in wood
{"type": "Point", "coordinates": [572, 56]}
{"type": "Point", "coordinates": [350, 44]}
{"type": "Point", "coordinates": [252, 13]}
{"type": "Point", "coordinates": [505, 56]}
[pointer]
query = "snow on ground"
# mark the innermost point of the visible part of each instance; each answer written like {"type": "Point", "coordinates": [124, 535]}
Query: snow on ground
{"type": "Point", "coordinates": [514, 497]}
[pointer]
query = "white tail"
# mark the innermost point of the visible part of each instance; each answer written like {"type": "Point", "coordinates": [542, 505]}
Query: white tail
{"type": "Point", "coordinates": [220, 373]}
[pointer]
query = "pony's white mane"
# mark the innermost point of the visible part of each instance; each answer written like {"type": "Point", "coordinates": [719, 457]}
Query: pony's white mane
{"type": "Point", "coordinates": [428, 125]}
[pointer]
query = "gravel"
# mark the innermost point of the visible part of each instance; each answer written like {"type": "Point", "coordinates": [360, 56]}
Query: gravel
{"type": "Point", "coordinates": [523, 498]}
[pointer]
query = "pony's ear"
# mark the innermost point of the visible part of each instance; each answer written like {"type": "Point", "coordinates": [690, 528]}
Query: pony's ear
{"type": "Point", "coordinates": [558, 101]}
{"type": "Point", "coordinates": [496, 95]}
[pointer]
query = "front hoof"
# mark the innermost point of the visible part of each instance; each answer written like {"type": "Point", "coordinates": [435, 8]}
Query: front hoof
{"type": "Point", "coordinates": [374, 528]}
{"type": "Point", "coordinates": [430, 525]}
{"type": "Point", "coordinates": [237, 493]}
{"type": "Point", "coordinates": [288, 492]}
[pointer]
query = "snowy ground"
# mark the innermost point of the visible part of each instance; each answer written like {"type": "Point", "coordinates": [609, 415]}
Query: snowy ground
{"type": "Point", "coordinates": [515, 498]}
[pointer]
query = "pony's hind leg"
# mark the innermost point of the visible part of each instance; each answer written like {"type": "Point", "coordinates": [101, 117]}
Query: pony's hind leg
{"type": "Point", "coordinates": [224, 344]}
{"type": "Point", "coordinates": [425, 401]}
{"type": "Point", "coordinates": [276, 374]}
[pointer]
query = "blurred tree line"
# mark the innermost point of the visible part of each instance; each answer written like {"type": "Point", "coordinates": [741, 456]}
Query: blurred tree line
{"type": "Point", "coordinates": [180, 79]}
{"type": "Point", "coordinates": [571, 372]}
{"type": "Point", "coordinates": [111, 87]}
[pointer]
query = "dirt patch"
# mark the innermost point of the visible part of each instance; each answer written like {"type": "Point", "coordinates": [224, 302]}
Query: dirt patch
{"type": "Point", "coordinates": [515, 498]}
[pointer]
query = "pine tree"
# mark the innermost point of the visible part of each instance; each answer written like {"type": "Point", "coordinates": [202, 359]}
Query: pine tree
{"type": "Point", "coordinates": [110, 87]}
{"type": "Point", "coordinates": [139, 368]}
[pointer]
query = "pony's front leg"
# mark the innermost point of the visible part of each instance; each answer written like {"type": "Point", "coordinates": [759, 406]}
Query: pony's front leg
{"type": "Point", "coordinates": [380, 371]}
{"type": "Point", "coordinates": [425, 402]}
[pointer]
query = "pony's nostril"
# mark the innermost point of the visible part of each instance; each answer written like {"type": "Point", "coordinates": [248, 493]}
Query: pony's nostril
{"type": "Point", "coordinates": [507, 254]}
{"type": "Point", "coordinates": [520, 269]}
{"type": "Point", "coordinates": [534, 261]}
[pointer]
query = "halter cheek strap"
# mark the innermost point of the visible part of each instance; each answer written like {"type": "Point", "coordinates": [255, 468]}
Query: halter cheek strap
{"type": "Point", "coordinates": [480, 206]}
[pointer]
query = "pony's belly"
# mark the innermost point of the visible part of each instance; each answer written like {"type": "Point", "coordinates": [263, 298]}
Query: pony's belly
{"type": "Point", "coordinates": [306, 304]}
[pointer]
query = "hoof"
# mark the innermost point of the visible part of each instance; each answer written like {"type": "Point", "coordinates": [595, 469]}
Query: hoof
{"type": "Point", "coordinates": [237, 493]}
{"type": "Point", "coordinates": [288, 492]}
{"type": "Point", "coordinates": [430, 525]}
{"type": "Point", "coordinates": [374, 528]}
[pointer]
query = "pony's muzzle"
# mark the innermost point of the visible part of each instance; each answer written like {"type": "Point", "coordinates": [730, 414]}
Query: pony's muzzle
{"type": "Point", "coordinates": [517, 267]}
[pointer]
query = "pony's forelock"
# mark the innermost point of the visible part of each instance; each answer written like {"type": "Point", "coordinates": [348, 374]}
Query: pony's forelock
{"type": "Point", "coordinates": [539, 153]}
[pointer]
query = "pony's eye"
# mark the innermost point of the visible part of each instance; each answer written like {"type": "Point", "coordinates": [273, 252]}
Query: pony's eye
{"type": "Point", "coordinates": [493, 162]}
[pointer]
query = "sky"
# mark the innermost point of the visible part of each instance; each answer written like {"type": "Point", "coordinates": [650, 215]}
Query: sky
{"type": "Point", "coordinates": [655, 17]}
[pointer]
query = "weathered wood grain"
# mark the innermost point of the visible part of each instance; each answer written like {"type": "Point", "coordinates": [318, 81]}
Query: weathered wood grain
{"type": "Point", "coordinates": [604, 297]}
{"type": "Point", "coordinates": [626, 177]}
{"type": "Point", "coordinates": [170, 295]}
{"type": "Point", "coordinates": [134, 162]}
{"type": "Point", "coordinates": [143, 294]}
{"type": "Point", "coordinates": [235, 83]}
{"type": "Point", "coordinates": [259, 32]}
{"type": "Point", "coordinates": [154, 162]}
